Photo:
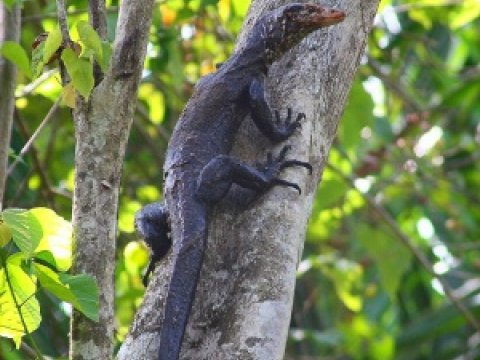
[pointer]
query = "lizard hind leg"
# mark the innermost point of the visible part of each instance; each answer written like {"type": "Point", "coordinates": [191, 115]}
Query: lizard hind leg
{"type": "Point", "coordinates": [221, 172]}
{"type": "Point", "coordinates": [152, 224]}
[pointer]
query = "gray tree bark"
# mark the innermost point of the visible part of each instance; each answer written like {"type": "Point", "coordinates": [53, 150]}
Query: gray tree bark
{"type": "Point", "coordinates": [102, 128]}
{"type": "Point", "coordinates": [244, 298]}
{"type": "Point", "coordinates": [9, 31]}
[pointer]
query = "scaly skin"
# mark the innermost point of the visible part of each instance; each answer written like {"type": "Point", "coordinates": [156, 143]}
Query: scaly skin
{"type": "Point", "coordinates": [198, 170]}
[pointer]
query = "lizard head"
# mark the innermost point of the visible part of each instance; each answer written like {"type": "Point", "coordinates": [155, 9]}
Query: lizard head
{"type": "Point", "coordinates": [286, 26]}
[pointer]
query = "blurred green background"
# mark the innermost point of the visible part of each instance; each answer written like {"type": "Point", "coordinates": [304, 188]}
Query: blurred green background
{"type": "Point", "coordinates": [405, 167]}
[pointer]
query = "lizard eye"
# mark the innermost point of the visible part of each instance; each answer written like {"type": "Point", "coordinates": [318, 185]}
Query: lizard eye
{"type": "Point", "coordinates": [292, 10]}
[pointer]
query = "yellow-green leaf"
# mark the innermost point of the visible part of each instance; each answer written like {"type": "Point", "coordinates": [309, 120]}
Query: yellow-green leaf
{"type": "Point", "coordinates": [22, 289]}
{"type": "Point", "coordinates": [68, 97]}
{"type": "Point", "coordinates": [91, 40]}
{"type": "Point", "coordinates": [5, 233]}
{"type": "Point", "coordinates": [56, 236]}
{"type": "Point", "coordinates": [25, 228]}
{"type": "Point", "coordinates": [81, 72]}
{"type": "Point", "coordinates": [37, 60]}
{"type": "Point", "coordinates": [53, 42]}
{"type": "Point", "coordinates": [13, 52]}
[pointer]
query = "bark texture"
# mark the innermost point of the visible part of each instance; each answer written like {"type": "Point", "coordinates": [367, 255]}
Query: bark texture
{"type": "Point", "coordinates": [9, 31]}
{"type": "Point", "coordinates": [245, 295]}
{"type": "Point", "coordinates": [102, 127]}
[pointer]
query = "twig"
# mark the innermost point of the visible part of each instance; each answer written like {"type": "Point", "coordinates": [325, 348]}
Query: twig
{"type": "Point", "coordinates": [421, 258]}
{"type": "Point", "coordinates": [98, 17]}
{"type": "Point", "coordinates": [27, 146]}
{"type": "Point", "coordinates": [395, 86]}
{"type": "Point", "coordinates": [29, 88]}
{"type": "Point", "coordinates": [420, 4]}
{"type": "Point", "coordinates": [45, 181]}
{"type": "Point", "coordinates": [53, 15]}
{"type": "Point", "coordinates": [62, 21]}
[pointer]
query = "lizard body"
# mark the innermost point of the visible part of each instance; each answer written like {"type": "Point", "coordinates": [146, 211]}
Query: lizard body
{"type": "Point", "coordinates": [198, 170]}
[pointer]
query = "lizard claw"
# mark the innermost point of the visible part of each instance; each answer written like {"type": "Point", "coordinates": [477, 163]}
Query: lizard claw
{"type": "Point", "coordinates": [282, 182]}
{"type": "Point", "coordinates": [290, 163]}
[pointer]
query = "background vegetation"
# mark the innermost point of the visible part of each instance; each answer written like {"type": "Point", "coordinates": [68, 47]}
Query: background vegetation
{"type": "Point", "coordinates": [390, 265]}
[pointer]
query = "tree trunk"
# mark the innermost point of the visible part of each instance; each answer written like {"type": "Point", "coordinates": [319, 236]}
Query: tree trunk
{"type": "Point", "coordinates": [9, 31]}
{"type": "Point", "coordinates": [245, 294]}
{"type": "Point", "coordinates": [102, 128]}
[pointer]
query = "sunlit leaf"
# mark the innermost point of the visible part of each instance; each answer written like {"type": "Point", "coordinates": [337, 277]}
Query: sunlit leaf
{"type": "Point", "coordinates": [25, 228]}
{"type": "Point", "coordinates": [12, 51]}
{"type": "Point", "coordinates": [21, 294]}
{"type": "Point", "coordinates": [81, 72]}
{"type": "Point", "coordinates": [37, 60]}
{"type": "Point", "coordinates": [136, 257]}
{"type": "Point", "coordinates": [68, 96]}
{"type": "Point", "coordinates": [5, 233]}
{"type": "Point", "coordinates": [53, 42]}
{"type": "Point", "coordinates": [49, 280]}
{"type": "Point", "coordinates": [466, 13]}
{"type": "Point", "coordinates": [56, 238]}
{"type": "Point", "coordinates": [347, 277]}
{"type": "Point", "coordinates": [91, 40]}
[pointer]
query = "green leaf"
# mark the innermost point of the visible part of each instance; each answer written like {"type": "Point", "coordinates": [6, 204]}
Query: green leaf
{"type": "Point", "coordinates": [50, 280]}
{"type": "Point", "coordinates": [81, 72]}
{"type": "Point", "coordinates": [56, 237]}
{"type": "Point", "coordinates": [91, 40]}
{"type": "Point", "coordinates": [10, 3]}
{"type": "Point", "coordinates": [23, 289]}
{"type": "Point", "coordinates": [37, 60]}
{"type": "Point", "coordinates": [392, 258]}
{"type": "Point", "coordinates": [25, 228]}
{"type": "Point", "coordinates": [5, 233]}
{"type": "Point", "coordinates": [85, 290]}
{"type": "Point", "coordinates": [466, 13]}
{"type": "Point", "coordinates": [357, 115]}
{"type": "Point", "coordinates": [330, 192]}
{"type": "Point", "coordinates": [68, 96]}
{"type": "Point", "coordinates": [347, 277]}
{"type": "Point", "coordinates": [12, 51]}
{"type": "Point", "coordinates": [52, 44]}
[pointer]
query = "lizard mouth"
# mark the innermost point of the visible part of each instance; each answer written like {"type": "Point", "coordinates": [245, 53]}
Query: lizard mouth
{"type": "Point", "coordinates": [317, 16]}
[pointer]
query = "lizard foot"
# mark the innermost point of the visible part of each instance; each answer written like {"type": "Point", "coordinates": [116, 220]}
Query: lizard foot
{"type": "Point", "coordinates": [274, 165]}
{"type": "Point", "coordinates": [287, 127]}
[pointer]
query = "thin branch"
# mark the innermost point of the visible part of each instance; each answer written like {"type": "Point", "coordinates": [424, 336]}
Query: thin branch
{"type": "Point", "coordinates": [45, 181]}
{"type": "Point", "coordinates": [53, 15]}
{"type": "Point", "coordinates": [395, 86]}
{"type": "Point", "coordinates": [421, 258]}
{"type": "Point", "coordinates": [62, 21]}
{"type": "Point", "coordinates": [31, 87]}
{"type": "Point", "coordinates": [27, 146]}
{"type": "Point", "coordinates": [98, 17]}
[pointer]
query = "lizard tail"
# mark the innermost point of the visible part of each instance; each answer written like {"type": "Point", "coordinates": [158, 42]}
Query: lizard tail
{"type": "Point", "coordinates": [181, 291]}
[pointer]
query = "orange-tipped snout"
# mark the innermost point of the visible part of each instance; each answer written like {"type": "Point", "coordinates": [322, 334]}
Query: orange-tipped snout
{"type": "Point", "coordinates": [318, 16]}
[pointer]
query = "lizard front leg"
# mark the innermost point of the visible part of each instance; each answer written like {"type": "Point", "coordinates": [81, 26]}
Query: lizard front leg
{"type": "Point", "coordinates": [222, 171]}
{"type": "Point", "coordinates": [151, 222]}
{"type": "Point", "coordinates": [262, 115]}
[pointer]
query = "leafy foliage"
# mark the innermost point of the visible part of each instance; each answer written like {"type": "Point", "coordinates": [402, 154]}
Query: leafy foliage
{"type": "Point", "coordinates": [36, 248]}
{"type": "Point", "coordinates": [406, 151]}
